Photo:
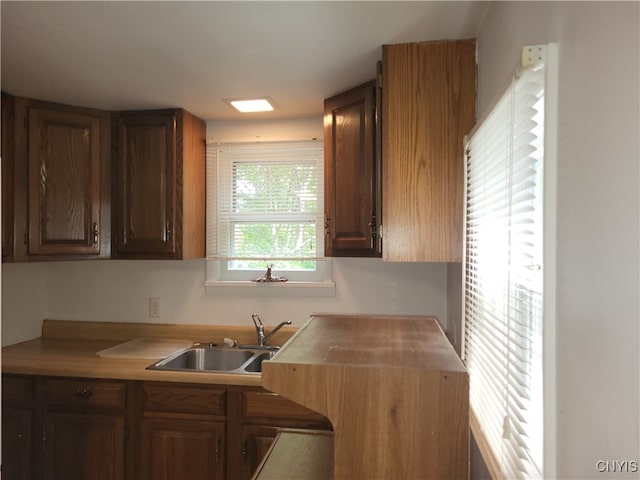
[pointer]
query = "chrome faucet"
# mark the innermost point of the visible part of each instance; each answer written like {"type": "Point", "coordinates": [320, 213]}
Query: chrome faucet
{"type": "Point", "coordinates": [262, 338]}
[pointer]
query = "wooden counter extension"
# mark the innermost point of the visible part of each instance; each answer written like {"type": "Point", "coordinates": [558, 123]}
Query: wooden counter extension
{"type": "Point", "coordinates": [393, 388]}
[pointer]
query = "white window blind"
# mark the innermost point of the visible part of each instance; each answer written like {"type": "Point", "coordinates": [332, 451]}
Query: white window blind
{"type": "Point", "coordinates": [503, 275]}
{"type": "Point", "coordinates": [265, 204]}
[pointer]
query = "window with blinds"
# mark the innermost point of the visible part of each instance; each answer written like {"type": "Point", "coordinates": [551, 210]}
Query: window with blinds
{"type": "Point", "coordinates": [265, 206]}
{"type": "Point", "coordinates": [503, 288]}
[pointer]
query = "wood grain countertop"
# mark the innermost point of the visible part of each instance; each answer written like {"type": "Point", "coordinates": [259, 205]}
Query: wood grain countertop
{"type": "Point", "coordinates": [69, 348]}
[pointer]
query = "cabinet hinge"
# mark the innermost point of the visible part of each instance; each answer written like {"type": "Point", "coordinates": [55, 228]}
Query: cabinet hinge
{"type": "Point", "coordinates": [218, 448]}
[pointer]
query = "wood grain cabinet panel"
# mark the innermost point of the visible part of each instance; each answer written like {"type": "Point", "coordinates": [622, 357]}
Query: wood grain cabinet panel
{"type": "Point", "coordinates": [7, 157]}
{"type": "Point", "coordinates": [175, 449]}
{"type": "Point", "coordinates": [83, 428]}
{"type": "Point", "coordinates": [17, 428]}
{"type": "Point", "coordinates": [256, 441]}
{"type": "Point", "coordinates": [182, 431]}
{"type": "Point", "coordinates": [264, 404]}
{"type": "Point", "coordinates": [352, 182]}
{"type": "Point", "coordinates": [85, 446]}
{"type": "Point", "coordinates": [159, 185]}
{"type": "Point", "coordinates": [183, 399]}
{"type": "Point", "coordinates": [61, 182]}
{"type": "Point", "coordinates": [263, 414]}
{"type": "Point", "coordinates": [64, 182]}
{"type": "Point", "coordinates": [428, 106]}
{"type": "Point", "coordinates": [84, 393]}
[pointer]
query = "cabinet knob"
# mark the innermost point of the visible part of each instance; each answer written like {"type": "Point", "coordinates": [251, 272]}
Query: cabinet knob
{"type": "Point", "coordinates": [84, 393]}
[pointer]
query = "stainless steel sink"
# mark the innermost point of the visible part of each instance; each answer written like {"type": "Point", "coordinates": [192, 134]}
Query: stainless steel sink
{"type": "Point", "coordinates": [215, 359]}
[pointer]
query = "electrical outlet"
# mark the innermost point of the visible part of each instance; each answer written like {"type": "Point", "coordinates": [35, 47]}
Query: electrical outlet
{"type": "Point", "coordinates": [154, 307]}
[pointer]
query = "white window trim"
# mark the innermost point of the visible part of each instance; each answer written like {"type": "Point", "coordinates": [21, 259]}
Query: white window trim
{"type": "Point", "coordinates": [217, 274]}
{"type": "Point", "coordinates": [214, 267]}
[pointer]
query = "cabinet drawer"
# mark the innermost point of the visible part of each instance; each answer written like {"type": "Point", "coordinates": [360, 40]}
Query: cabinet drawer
{"type": "Point", "coordinates": [176, 398]}
{"type": "Point", "coordinates": [17, 391]}
{"type": "Point", "coordinates": [84, 393]}
{"type": "Point", "coordinates": [267, 404]}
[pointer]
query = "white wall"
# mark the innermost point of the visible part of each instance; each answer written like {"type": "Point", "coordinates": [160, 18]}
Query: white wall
{"type": "Point", "coordinates": [597, 284]}
{"type": "Point", "coordinates": [118, 291]}
{"type": "Point", "coordinates": [24, 301]}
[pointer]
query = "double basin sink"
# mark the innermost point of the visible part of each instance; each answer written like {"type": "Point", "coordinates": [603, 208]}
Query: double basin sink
{"type": "Point", "coordinates": [213, 359]}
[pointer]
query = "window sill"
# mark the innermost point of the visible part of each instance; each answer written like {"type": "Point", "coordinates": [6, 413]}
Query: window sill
{"type": "Point", "coordinates": [293, 288]}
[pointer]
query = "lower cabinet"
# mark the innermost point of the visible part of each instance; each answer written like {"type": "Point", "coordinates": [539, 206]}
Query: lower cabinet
{"type": "Point", "coordinates": [175, 449]}
{"type": "Point", "coordinates": [256, 441]}
{"type": "Point", "coordinates": [91, 429]}
{"type": "Point", "coordinates": [17, 428]}
{"type": "Point", "coordinates": [83, 428]}
{"type": "Point", "coordinates": [63, 428]}
{"type": "Point", "coordinates": [84, 446]}
{"type": "Point", "coordinates": [262, 415]}
{"type": "Point", "coordinates": [182, 431]}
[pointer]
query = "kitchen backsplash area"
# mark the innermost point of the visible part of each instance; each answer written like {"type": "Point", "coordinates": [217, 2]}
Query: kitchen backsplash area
{"type": "Point", "coordinates": [119, 291]}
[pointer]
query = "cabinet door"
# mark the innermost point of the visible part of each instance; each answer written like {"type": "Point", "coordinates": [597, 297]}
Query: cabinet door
{"type": "Point", "coordinates": [256, 441]}
{"type": "Point", "coordinates": [83, 446]}
{"type": "Point", "coordinates": [7, 157]}
{"type": "Point", "coordinates": [428, 106]}
{"type": "Point", "coordinates": [17, 427]}
{"type": "Point", "coordinates": [17, 456]}
{"type": "Point", "coordinates": [146, 185]}
{"type": "Point", "coordinates": [175, 449]}
{"type": "Point", "coordinates": [63, 182]}
{"type": "Point", "coordinates": [351, 179]}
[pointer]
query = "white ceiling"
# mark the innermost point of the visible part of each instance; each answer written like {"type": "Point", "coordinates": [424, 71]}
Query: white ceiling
{"type": "Point", "coordinates": [136, 55]}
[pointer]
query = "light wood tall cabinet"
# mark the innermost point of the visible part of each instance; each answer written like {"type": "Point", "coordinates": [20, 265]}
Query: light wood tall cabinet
{"type": "Point", "coordinates": [394, 390]}
{"type": "Point", "coordinates": [159, 185]}
{"type": "Point", "coordinates": [428, 106]}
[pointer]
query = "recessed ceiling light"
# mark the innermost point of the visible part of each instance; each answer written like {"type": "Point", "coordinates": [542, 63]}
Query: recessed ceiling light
{"type": "Point", "coordinates": [249, 105]}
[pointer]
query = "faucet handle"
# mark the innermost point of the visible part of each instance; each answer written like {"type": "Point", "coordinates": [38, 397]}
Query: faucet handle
{"type": "Point", "coordinates": [256, 320]}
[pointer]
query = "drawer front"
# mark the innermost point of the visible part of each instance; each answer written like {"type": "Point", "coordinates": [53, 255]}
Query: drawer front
{"type": "Point", "coordinates": [267, 404]}
{"type": "Point", "coordinates": [85, 393]}
{"type": "Point", "coordinates": [17, 391]}
{"type": "Point", "coordinates": [176, 398]}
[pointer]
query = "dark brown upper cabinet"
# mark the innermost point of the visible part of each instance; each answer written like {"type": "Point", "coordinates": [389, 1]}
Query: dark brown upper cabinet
{"type": "Point", "coordinates": [8, 158]}
{"type": "Point", "coordinates": [159, 185]}
{"type": "Point", "coordinates": [352, 174]}
{"type": "Point", "coordinates": [61, 182]}
{"type": "Point", "coordinates": [428, 106]}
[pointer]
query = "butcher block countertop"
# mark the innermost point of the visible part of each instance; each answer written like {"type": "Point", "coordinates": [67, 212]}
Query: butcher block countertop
{"type": "Point", "coordinates": [393, 387]}
{"type": "Point", "coordinates": [70, 349]}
